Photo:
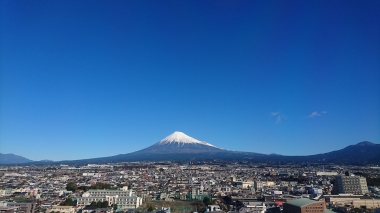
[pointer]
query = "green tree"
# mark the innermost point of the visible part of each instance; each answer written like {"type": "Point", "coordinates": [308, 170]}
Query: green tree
{"type": "Point", "coordinates": [68, 202]}
{"type": "Point", "coordinates": [99, 204]}
{"type": "Point", "coordinates": [104, 204]}
{"type": "Point", "coordinates": [93, 204]}
{"type": "Point", "coordinates": [71, 186]}
{"type": "Point", "coordinates": [150, 207]}
{"type": "Point", "coordinates": [199, 206]}
{"type": "Point", "coordinates": [100, 185]}
{"type": "Point", "coordinates": [206, 201]}
{"type": "Point", "coordinates": [228, 207]}
{"type": "Point", "coordinates": [84, 188]}
{"type": "Point", "coordinates": [114, 207]}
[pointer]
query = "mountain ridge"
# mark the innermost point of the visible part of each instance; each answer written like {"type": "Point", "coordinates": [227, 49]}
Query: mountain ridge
{"type": "Point", "coordinates": [179, 146]}
{"type": "Point", "coordinates": [13, 159]}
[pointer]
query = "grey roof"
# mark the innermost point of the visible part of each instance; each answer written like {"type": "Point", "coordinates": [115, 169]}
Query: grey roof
{"type": "Point", "coordinates": [329, 211]}
{"type": "Point", "coordinates": [301, 202]}
{"type": "Point", "coordinates": [106, 190]}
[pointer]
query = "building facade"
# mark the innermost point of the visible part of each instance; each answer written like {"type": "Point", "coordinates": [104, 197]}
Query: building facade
{"type": "Point", "coordinates": [253, 208]}
{"type": "Point", "coordinates": [18, 207]}
{"type": "Point", "coordinates": [124, 199]}
{"type": "Point", "coordinates": [350, 185]}
{"type": "Point", "coordinates": [304, 205]}
{"type": "Point", "coordinates": [62, 209]}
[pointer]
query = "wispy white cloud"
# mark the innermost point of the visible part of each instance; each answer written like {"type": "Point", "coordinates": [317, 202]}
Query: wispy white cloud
{"type": "Point", "coordinates": [278, 120]}
{"type": "Point", "coordinates": [279, 117]}
{"type": "Point", "coordinates": [274, 113]}
{"type": "Point", "coordinates": [316, 114]}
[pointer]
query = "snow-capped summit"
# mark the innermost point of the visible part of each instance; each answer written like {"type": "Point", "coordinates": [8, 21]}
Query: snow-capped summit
{"type": "Point", "coordinates": [181, 139]}
{"type": "Point", "coordinates": [178, 143]}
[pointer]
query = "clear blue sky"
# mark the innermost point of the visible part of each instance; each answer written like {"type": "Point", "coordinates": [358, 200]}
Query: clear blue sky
{"type": "Point", "coordinates": [84, 79]}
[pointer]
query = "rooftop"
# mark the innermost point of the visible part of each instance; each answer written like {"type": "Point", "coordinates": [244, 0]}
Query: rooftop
{"type": "Point", "coordinates": [301, 202]}
{"type": "Point", "coordinates": [329, 211]}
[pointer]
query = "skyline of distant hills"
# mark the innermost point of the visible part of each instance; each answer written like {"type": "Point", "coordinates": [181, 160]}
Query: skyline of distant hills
{"type": "Point", "coordinates": [181, 147]}
{"type": "Point", "coordinates": [13, 159]}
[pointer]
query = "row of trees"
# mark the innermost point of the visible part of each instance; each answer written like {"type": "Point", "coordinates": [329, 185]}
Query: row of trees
{"type": "Point", "coordinates": [103, 204]}
{"type": "Point", "coordinates": [100, 204]}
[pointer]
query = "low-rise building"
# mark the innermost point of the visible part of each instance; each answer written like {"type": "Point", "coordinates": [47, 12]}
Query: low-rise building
{"type": "Point", "coordinates": [23, 207]}
{"type": "Point", "coordinates": [255, 207]}
{"type": "Point", "coordinates": [304, 205]}
{"type": "Point", "coordinates": [124, 198]}
{"type": "Point", "coordinates": [90, 209]}
{"type": "Point", "coordinates": [61, 209]}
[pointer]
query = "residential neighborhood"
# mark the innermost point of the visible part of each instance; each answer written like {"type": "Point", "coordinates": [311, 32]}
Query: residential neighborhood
{"type": "Point", "coordinates": [189, 187]}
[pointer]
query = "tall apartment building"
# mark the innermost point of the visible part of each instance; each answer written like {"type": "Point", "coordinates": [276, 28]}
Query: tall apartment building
{"type": "Point", "coordinates": [125, 199]}
{"type": "Point", "coordinates": [258, 185]}
{"type": "Point", "coordinates": [350, 185]}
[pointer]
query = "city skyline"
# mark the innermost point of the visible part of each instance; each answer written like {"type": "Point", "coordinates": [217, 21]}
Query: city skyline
{"type": "Point", "coordinates": [93, 79]}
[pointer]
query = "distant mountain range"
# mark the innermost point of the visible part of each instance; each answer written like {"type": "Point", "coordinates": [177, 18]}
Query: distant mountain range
{"type": "Point", "coordinates": [13, 159]}
{"type": "Point", "coordinates": [179, 146]}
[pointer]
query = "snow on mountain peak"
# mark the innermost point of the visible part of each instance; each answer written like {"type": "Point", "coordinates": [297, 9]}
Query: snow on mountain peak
{"type": "Point", "coordinates": [182, 139]}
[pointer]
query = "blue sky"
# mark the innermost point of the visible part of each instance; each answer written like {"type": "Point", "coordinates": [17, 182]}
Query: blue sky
{"type": "Point", "coordinates": [84, 79]}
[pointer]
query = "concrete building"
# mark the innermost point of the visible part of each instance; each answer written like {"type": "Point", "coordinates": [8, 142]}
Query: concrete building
{"type": "Point", "coordinates": [366, 203]}
{"type": "Point", "coordinates": [254, 207]}
{"type": "Point", "coordinates": [248, 184]}
{"type": "Point", "coordinates": [23, 207]}
{"type": "Point", "coordinates": [350, 185]}
{"type": "Point", "coordinates": [124, 198]}
{"type": "Point", "coordinates": [213, 208]}
{"type": "Point", "coordinates": [90, 209]}
{"type": "Point", "coordinates": [62, 209]}
{"type": "Point", "coordinates": [4, 208]}
{"type": "Point", "coordinates": [7, 209]}
{"type": "Point", "coordinates": [342, 199]}
{"type": "Point", "coordinates": [327, 173]}
{"type": "Point", "coordinates": [258, 185]}
{"type": "Point", "coordinates": [304, 205]}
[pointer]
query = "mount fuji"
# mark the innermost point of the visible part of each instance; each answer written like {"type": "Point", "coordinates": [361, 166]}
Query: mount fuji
{"type": "Point", "coordinates": [177, 146]}
{"type": "Point", "coordinates": [179, 142]}
{"type": "Point", "coordinates": [180, 147]}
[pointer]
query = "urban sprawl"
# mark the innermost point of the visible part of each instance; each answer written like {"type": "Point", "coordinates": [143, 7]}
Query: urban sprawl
{"type": "Point", "coordinates": [190, 187]}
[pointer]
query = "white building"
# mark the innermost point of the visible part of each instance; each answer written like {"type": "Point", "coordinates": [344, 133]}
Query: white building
{"type": "Point", "coordinates": [125, 199]}
{"type": "Point", "coordinates": [253, 208]}
{"type": "Point", "coordinates": [213, 208]}
{"type": "Point", "coordinates": [326, 173]}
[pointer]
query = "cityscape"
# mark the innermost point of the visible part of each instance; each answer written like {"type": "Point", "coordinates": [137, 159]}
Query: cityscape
{"type": "Point", "coordinates": [236, 183]}
{"type": "Point", "coordinates": [188, 106]}
{"type": "Point", "coordinates": [190, 186]}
